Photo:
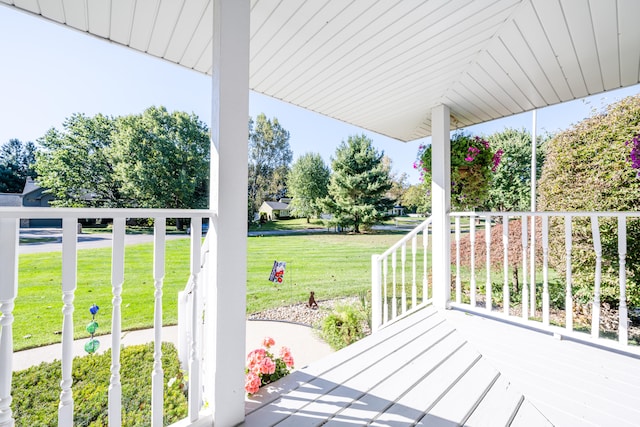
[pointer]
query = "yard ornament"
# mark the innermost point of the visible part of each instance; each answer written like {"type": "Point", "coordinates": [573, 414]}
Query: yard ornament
{"type": "Point", "coordinates": [93, 344]}
{"type": "Point", "coordinates": [277, 272]}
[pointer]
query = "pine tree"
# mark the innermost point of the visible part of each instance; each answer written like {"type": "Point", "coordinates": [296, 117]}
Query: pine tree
{"type": "Point", "coordinates": [358, 184]}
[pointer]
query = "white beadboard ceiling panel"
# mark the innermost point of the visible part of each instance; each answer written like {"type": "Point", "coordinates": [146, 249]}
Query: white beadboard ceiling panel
{"type": "Point", "coordinates": [53, 10]}
{"type": "Point", "coordinates": [144, 18]}
{"type": "Point", "coordinates": [165, 27]}
{"type": "Point", "coordinates": [99, 18]}
{"type": "Point", "coordinates": [75, 14]}
{"type": "Point", "coordinates": [384, 64]}
{"type": "Point", "coordinates": [629, 39]}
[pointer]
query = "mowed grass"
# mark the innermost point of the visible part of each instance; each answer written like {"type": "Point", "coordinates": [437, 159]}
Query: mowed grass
{"type": "Point", "coordinates": [38, 307]}
{"type": "Point", "coordinates": [331, 265]}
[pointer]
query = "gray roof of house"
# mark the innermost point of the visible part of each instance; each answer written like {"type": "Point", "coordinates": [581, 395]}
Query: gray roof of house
{"type": "Point", "coordinates": [29, 186]}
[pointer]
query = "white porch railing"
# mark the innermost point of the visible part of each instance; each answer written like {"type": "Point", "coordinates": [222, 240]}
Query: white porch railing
{"type": "Point", "coordinates": [9, 291]}
{"type": "Point", "coordinates": [480, 295]}
{"type": "Point", "coordinates": [390, 286]}
{"type": "Point", "coordinates": [534, 308]}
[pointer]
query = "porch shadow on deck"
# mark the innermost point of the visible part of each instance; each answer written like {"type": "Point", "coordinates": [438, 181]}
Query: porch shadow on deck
{"type": "Point", "coordinates": [417, 371]}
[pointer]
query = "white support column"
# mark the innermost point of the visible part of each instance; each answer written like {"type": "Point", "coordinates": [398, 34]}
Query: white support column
{"type": "Point", "coordinates": [441, 204]}
{"type": "Point", "coordinates": [8, 291]}
{"type": "Point", "coordinates": [225, 305]}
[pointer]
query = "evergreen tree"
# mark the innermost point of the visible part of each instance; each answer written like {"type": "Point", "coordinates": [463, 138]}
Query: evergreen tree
{"type": "Point", "coordinates": [358, 184]}
{"type": "Point", "coordinates": [16, 164]}
{"type": "Point", "coordinates": [307, 184]}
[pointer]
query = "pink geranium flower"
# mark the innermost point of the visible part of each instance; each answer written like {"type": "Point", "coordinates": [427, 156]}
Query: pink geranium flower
{"type": "Point", "coordinates": [252, 383]}
{"type": "Point", "coordinates": [287, 358]}
{"type": "Point", "coordinates": [268, 342]}
{"type": "Point", "coordinates": [263, 368]}
{"type": "Point", "coordinates": [267, 366]}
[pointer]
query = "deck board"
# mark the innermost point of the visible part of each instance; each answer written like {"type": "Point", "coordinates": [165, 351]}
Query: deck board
{"type": "Point", "coordinates": [572, 384]}
{"type": "Point", "coordinates": [418, 368]}
{"type": "Point", "coordinates": [498, 407]}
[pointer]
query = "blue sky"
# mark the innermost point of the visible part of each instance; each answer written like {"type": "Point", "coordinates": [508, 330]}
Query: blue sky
{"type": "Point", "coordinates": [49, 72]}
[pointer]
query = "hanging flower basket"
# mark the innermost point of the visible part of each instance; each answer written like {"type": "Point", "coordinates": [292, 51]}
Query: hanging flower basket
{"type": "Point", "coordinates": [472, 165]}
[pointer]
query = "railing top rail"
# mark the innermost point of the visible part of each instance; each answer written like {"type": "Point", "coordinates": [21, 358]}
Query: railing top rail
{"type": "Point", "coordinates": [548, 213]}
{"type": "Point", "coordinates": [407, 237]}
{"type": "Point", "coordinates": [43, 212]}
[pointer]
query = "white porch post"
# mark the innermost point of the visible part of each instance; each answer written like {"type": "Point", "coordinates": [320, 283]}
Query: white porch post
{"type": "Point", "coordinates": [225, 304]}
{"type": "Point", "coordinates": [441, 204]}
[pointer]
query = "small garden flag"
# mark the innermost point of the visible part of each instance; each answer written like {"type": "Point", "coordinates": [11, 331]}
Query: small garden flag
{"type": "Point", "coordinates": [277, 272]}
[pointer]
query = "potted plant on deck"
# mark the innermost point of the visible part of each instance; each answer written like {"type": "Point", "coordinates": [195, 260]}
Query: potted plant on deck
{"type": "Point", "coordinates": [472, 163]}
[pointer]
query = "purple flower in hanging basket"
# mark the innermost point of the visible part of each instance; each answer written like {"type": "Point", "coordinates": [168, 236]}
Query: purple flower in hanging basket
{"type": "Point", "coordinates": [94, 309]}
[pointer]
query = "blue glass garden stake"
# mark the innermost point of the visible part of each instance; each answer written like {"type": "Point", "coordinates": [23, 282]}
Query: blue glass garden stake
{"type": "Point", "coordinates": [92, 345]}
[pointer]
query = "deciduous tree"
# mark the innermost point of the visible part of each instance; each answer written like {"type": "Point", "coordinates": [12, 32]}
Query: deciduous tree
{"type": "Point", "coordinates": [269, 158]}
{"type": "Point", "coordinates": [74, 163]}
{"type": "Point", "coordinates": [307, 184]}
{"type": "Point", "coordinates": [161, 159]}
{"type": "Point", "coordinates": [510, 188]}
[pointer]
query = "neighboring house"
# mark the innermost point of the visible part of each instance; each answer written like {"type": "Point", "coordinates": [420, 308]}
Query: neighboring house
{"type": "Point", "coordinates": [275, 210]}
{"type": "Point", "coordinates": [32, 196]}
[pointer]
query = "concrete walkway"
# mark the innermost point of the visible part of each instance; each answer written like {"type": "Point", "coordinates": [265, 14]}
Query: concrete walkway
{"type": "Point", "coordinates": [305, 346]}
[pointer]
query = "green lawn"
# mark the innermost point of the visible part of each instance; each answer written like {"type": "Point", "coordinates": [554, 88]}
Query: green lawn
{"type": "Point", "coordinates": [38, 307]}
{"type": "Point", "coordinates": [331, 265]}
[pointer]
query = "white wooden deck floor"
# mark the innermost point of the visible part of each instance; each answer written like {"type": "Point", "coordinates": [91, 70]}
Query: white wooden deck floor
{"type": "Point", "coordinates": [418, 371]}
{"type": "Point", "coordinates": [573, 384]}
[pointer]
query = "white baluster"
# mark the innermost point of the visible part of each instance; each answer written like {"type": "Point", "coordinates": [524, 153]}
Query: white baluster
{"type": "Point", "coordinates": [425, 276]}
{"type": "Point", "coordinates": [472, 267]}
{"type": "Point", "coordinates": [532, 268]}
{"type": "Point", "coordinates": [117, 279]}
{"type": "Point", "coordinates": [376, 293]}
{"type": "Point", "coordinates": [506, 301]}
{"type": "Point", "coordinates": [525, 289]}
{"type": "Point", "coordinates": [69, 263]}
{"type": "Point", "coordinates": [568, 299]}
{"type": "Point", "coordinates": [545, 270]}
{"type": "Point", "coordinates": [385, 301]}
{"type": "Point", "coordinates": [414, 289]}
{"type": "Point", "coordinates": [194, 359]}
{"type": "Point", "coordinates": [595, 308]}
{"type": "Point", "coordinates": [8, 292]}
{"type": "Point", "coordinates": [487, 239]}
{"type": "Point", "coordinates": [623, 334]}
{"type": "Point", "coordinates": [403, 259]}
{"type": "Point", "coordinates": [458, 278]}
{"type": "Point", "coordinates": [157, 376]}
{"type": "Point", "coordinates": [394, 303]}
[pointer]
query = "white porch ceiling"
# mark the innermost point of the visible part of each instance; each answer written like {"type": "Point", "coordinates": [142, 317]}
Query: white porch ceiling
{"type": "Point", "coordinates": [382, 65]}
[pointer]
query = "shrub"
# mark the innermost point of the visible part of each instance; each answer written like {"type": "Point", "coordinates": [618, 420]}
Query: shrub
{"type": "Point", "coordinates": [344, 326]}
{"type": "Point", "coordinates": [587, 169]}
{"type": "Point", "coordinates": [36, 390]}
